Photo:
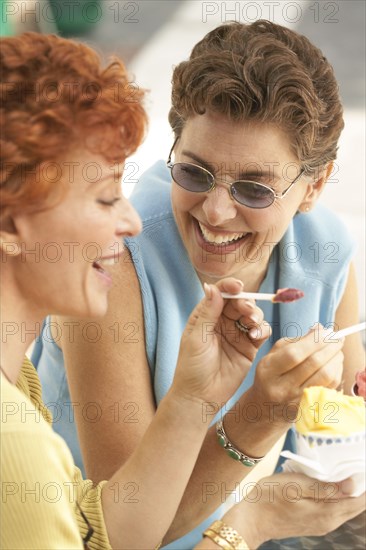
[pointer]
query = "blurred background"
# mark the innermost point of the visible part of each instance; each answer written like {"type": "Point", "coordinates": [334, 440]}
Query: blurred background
{"type": "Point", "coordinates": [153, 36]}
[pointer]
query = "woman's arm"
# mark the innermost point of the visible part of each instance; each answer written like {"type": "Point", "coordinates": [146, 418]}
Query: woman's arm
{"type": "Point", "coordinates": [208, 370]}
{"type": "Point", "coordinates": [113, 373]}
{"type": "Point", "coordinates": [347, 314]}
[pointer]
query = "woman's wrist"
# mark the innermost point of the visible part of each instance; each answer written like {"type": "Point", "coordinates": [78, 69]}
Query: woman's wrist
{"type": "Point", "coordinates": [251, 426]}
{"type": "Point", "coordinates": [266, 412]}
{"type": "Point", "coordinates": [244, 518]}
{"type": "Point", "coordinates": [190, 410]}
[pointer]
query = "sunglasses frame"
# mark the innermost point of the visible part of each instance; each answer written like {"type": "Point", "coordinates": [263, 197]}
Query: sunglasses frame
{"type": "Point", "coordinates": [275, 195]}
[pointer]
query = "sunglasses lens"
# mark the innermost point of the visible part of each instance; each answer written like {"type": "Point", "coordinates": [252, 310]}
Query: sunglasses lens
{"type": "Point", "coordinates": [191, 177]}
{"type": "Point", "coordinates": [252, 194]}
{"type": "Point", "coordinates": [198, 180]}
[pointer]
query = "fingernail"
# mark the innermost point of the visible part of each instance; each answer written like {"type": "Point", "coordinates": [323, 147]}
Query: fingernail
{"type": "Point", "coordinates": [240, 282]}
{"type": "Point", "coordinates": [253, 317]}
{"type": "Point", "coordinates": [255, 333]}
{"type": "Point", "coordinates": [249, 304]}
{"type": "Point", "coordinates": [208, 291]}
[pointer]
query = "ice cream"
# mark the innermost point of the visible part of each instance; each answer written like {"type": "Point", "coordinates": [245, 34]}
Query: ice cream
{"type": "Point", "coordinates": [288, 295]}
{"type": "Point", "coordinates": [360, 387]}
{"type": "Point", "coordinates": [329, 412]}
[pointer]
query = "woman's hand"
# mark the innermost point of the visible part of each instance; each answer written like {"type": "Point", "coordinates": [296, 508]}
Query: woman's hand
{"type": "Point", "coordinates": [290, 505]}
{"type": "Point", "coordinates": [290, 367]}
{"type": "Point", "coordinates": [215, 355]}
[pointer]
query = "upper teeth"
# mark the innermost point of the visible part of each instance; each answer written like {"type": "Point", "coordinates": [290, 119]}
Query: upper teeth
{"type": "Point", "coordinates": [107, 261]}
{"type": "Point", "coordinates": [217, 238]}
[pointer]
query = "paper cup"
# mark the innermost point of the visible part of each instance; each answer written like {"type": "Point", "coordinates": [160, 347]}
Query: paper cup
{"type": "Point", "coordinates": [330, 458]}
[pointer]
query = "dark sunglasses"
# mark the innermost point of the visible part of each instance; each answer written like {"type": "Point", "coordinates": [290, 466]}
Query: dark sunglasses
{"type": "Point", "coordinates": [197, 179]}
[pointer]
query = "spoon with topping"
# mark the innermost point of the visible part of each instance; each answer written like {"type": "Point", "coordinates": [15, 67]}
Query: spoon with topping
{"type": "Point", "coordinates": [282, 295]}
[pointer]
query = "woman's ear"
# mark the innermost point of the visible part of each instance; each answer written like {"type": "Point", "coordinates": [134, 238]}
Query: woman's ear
{"type": "Point", "coordinates": [315, 188]}
{"type": "Point", "coordinates": [9, 238]}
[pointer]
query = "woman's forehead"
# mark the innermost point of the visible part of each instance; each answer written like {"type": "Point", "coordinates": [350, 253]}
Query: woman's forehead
{"type": "Point", "coordinates": [216, 137]}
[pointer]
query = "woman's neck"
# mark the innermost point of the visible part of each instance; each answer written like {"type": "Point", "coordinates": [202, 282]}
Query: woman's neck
{"type": "Point", "coordinates": [19, 327]}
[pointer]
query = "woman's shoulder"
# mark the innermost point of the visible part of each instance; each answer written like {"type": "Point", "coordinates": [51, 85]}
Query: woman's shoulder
{"type": "Point", "coordinates": [322, 224]}
{"type": "Point", "coordinates": [24, 401]}
{"type": "Point", "coordinates": [317, 244]}
{"type": "Point", "coordinates": [160, 241]}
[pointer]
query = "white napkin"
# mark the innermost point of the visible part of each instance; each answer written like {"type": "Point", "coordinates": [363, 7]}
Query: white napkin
{"type": "Point", "coordinates": [330, 459]}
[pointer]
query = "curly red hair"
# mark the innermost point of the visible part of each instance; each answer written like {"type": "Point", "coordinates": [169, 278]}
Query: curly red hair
{"type": "Point", "coordinates": [56, 96]}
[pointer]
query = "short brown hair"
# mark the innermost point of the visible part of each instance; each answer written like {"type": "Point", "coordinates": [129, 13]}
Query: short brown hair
{"type": "Point", "coordinates": [56, 95]}
{"type": "Point", "coordinates": [266, 73]}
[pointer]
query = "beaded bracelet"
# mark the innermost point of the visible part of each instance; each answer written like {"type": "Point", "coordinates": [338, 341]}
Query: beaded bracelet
{"type": "Point", "coordinates": [232, 451]}
{"type": "Point", "coordinates": [226, 537]}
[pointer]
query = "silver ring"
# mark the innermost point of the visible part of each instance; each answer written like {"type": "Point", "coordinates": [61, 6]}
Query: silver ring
{"type": "Point", "coordinates": [241, 327]}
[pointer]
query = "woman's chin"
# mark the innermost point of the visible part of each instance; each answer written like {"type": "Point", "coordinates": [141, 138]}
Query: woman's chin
{"type": "Point", "coordinates": [214, 270]}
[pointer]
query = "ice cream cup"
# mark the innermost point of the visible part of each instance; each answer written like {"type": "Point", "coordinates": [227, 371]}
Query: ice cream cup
{"type": "Point", "coordinates": [331, 444]}
{"type": "Point", "coordinates": [330, 458]}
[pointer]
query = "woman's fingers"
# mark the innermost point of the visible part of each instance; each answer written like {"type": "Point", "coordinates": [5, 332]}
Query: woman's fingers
{"type": "Point", "coordinates": [244, 312]}
{"type": "Point", "coordinates": [206, 313]}
{"type": "Point", "coordinates": [236, 308]}
{"type": "Point", "coordinates": [309, 353]}
{"type": "Point", "coordinates": [329, 374]}
{"type": "Point", "coordinates": [249, 330]}
{"type": "Point", "coordinates": [292, 366]}
{"type": "Point", "coordinates": [230, 285]}
{"type": "Point", "coordinates": [321, 489]}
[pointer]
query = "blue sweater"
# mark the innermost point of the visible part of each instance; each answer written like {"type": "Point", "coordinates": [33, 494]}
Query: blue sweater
{"type": "Point", "coordinates": [314, 255]}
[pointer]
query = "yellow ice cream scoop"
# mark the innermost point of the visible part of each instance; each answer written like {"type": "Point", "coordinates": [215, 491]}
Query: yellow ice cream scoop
{"type": "Point", "coordinates": [330, 412]}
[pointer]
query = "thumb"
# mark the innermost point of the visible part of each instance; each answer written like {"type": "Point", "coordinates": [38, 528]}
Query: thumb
{"type": "Point", "coordinates": [207, 311]}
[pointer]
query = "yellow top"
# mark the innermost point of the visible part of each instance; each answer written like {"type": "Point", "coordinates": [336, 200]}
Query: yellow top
{"type": "Point", "coordinates": [41, 486]}
{"type": "Point", "coordinates": [330, 412]}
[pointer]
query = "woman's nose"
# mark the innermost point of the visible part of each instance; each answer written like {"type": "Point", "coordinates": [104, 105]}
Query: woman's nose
{"type": "Point", "coordinates": [129, 222]}
{"type": "Point", "coordinates": [218, 205]}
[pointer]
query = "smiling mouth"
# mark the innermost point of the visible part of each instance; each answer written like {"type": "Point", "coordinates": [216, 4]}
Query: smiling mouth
{"type": "Point", "coordinates": [220, 239]}
{"type": "Point", "coordinates": [105, 261]}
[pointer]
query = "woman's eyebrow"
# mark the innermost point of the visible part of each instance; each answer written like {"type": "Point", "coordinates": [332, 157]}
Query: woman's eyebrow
{"type": "Point", "coordinates": [252, 171]}
{"type": "Point", "coordinates": [210, 167]}
{"type": "Point", "coordinates": [116, 178]}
